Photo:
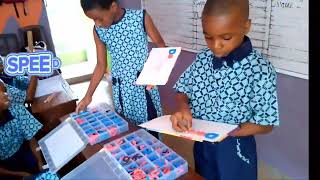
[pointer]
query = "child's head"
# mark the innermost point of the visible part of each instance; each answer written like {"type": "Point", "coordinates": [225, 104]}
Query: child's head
{"type": "Point", "coordinates": [102, 12]}
{"type": "Point", "coordinates": [225, 23]}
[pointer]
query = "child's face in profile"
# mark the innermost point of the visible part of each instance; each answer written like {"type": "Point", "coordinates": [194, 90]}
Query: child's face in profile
{"type": "Point", "coordinates": [4, 101]}
{"type": "Point", "coordinates": [1, 65]}
{"type": "Point", "coordinates": [224, 33]}
{"type": "Point", "coordinates": [102, 17]}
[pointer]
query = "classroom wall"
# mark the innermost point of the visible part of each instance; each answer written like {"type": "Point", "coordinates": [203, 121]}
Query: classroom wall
{"type": "Point", "coordinates": [284, 153]}
{"type": "Point", "coordinates": [36, 15]}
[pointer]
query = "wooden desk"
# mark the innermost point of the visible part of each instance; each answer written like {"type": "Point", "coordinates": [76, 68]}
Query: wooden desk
{"type": "Point", "coordinates": [91, 150]}
{"type": "Point", "coordinates": [48, 113]}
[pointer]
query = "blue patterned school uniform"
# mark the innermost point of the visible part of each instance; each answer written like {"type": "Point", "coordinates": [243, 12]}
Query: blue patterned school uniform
{"type": "Point", "coordinates": [23, 126]}
{"type": "Point", "coordinates": [13, 134]}
{"type": "Point", "coordinates": [127, 43]}
{"type": "Point", "coordinates": [238, 88]}
{"type": "Point", "coordinates": [16, 89]}
{"type": "Point", "coordinates": [45, 175]}
{"type": "Point", "coordinates": [19, 127]}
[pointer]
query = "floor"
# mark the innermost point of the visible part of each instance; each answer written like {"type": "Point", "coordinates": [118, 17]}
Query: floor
{"type": "Point", "coordinates": [102, 94]}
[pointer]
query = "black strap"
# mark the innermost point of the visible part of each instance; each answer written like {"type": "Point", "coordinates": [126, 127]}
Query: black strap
{"type": "Point", "coordinates": [116, 81]}
{"type": "Point", "coordinates": [152, 112]}
{"type": "Point", "coordinates": [24, 9]}
{"type": "Point", "coordinates": [151, 109]}
{"type": "Point", "coordinates": [15, 8]}
{"type": "Point", "coordinates": [120, 96]}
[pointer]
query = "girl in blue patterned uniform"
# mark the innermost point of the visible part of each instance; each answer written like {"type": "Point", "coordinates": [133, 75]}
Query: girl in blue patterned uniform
{"type": "Point", "coordinates": [232, 83]}
{"type": "Point", "coordinates": [124, 33]}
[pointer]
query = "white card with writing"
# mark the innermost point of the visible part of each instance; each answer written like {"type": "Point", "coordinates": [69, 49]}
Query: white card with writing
{"type": "Point", "coordinates": [157, 69]}
{"type": "Point", "coordinates": [202, 130]}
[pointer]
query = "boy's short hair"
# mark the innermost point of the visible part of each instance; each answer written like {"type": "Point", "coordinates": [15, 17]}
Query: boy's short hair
{"type": "Point", "coordinates": [221, 7]}
{"type": "Point", "coordinates": [93, 4]}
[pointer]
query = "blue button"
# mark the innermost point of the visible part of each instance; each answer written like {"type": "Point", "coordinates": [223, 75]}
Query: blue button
{"type": "Point", "coordinates": [211, 135]}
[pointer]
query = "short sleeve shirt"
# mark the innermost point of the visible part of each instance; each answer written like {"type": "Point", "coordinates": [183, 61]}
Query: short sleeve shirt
{"type": "Point", "coordinates": [242, 89]}
{"type": "Point", "coordinates": [14, 132]}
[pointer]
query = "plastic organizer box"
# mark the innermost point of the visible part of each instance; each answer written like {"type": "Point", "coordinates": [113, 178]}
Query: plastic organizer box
{"type": "Point", "coordinates": [136, 156]}
{"type": "Point", "coordinates": [70, 137]}
{"type": "Point", "coordinates": [100, 125]}
{"type": "Point", "coordinates": [145, 157]}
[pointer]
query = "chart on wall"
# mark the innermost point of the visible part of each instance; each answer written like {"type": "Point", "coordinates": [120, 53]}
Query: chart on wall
{"type": "Point", "coordinates": [279, 29]}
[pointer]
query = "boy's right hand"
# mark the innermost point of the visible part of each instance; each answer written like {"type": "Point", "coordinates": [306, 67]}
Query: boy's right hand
{"type": "Point", "coordinates": [83, 104]}
{"type": "Point", "coordinates": [181, 121]}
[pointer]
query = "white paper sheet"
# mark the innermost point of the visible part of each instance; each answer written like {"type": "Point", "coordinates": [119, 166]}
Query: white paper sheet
{"type": "Point", "coordinates": [163, 125]}
{"type": "Point", "coordinates": [157, 69]}
{"type": "Point", "coordinates": [63, 144]}
{"type": "Point", "coordinates": [59, 85]}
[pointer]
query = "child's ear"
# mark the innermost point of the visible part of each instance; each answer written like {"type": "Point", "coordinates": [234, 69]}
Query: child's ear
{"type": "Point", "coordinates": [114, 6]}
{"type": "Point", "coordinates": [247, 26]}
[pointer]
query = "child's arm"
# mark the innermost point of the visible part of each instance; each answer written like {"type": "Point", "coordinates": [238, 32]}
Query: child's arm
{"type": "Point", "coordinates": [153, 32]}
{"type": "Point", "coordinates": [33, 146]}
{"type": "Point", "coordinates": [182, 119]}
{"type": "Point", "coordinates": [17, 174]}
{"type": "Point", "coordinates": [248, 129]}
{"type": "Point", "coordinates": [31, 91]}
{"type": "Point", "coordinates": [98, 73]}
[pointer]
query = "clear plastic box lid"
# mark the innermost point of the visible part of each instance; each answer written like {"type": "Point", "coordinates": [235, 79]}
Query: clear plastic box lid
{"type": "Point", "coordinates": [62, 144]}
{"type": "Point", "coordinates": [99, 166]}
{"type": "Point", "coordinates": [67, 140]}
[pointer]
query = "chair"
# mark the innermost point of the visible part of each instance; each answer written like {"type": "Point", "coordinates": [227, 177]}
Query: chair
{"type": "Point", "coordinates": [9, 44]}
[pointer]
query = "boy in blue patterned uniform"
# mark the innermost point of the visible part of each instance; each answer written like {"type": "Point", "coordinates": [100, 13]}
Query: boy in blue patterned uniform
{"type": "Point", "coordinates": [232, 83]}
{"type": "Point", "coordinates": [124, 33]}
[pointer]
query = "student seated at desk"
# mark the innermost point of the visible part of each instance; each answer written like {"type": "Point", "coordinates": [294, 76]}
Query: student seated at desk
{"type": "Point", "coordinates": [20, 90]}
{"type": "Point", "coordinates": [15, 153]}
{"type": "Point", "coordinates": [18, 156]}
